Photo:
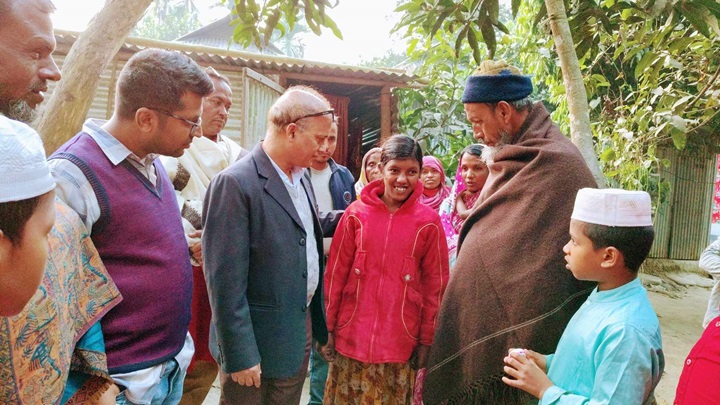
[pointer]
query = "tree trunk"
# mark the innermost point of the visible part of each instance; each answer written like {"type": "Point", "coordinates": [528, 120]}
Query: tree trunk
{"type": "Point", "coordinates": [580, 130]}
{"type": "Point", "coordinates": [95, 47]}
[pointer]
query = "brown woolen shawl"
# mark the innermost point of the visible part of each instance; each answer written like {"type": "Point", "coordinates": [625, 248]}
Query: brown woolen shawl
{"type": "Point", "coordinates": [510, 287]}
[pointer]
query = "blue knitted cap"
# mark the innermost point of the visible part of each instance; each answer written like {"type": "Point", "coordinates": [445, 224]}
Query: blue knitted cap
{"type": "Point", "coordinates": [496, 81]}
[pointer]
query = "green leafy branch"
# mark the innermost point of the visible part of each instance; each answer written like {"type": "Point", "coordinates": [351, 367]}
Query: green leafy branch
{"type": "Point", "coordinates": [255, 23]}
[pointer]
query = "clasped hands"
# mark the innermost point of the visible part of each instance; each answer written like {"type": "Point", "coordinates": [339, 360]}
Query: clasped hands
{"type": "Point", "coordinates": [328, 350]}
{"type": "Point", "coordinates": [528, 371]}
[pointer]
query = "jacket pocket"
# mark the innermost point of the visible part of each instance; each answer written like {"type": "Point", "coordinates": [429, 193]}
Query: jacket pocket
{"type": "Point", "coordinates": [262, 307]}
{"type": "Point", "coordinates": [412, 299]}
{"type": "Point", "coordinates": [351, 292]}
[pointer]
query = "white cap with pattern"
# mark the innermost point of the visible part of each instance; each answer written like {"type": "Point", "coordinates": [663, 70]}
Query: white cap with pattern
{"type": "Point", "coordinates": [613, 207]}
{"type": "Point", "coordinates": [24, 172]}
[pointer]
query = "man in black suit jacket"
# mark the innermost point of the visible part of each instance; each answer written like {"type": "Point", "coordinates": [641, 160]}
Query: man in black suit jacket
{"type": "Point", "coordinates": [262, 249]}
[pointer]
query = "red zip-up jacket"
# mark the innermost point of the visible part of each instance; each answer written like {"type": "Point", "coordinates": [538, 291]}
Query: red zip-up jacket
{"type": "Point", "coordinates": [385, 278]}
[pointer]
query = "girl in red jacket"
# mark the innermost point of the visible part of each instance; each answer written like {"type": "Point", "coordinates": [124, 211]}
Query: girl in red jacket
{"type": "Point", "coordinates": [385, 278]}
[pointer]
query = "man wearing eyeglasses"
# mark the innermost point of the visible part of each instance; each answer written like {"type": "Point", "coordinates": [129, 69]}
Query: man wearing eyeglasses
{"type": "Point", "coordinates": [334, 189]}
{"type": "Point", "coordinates": [109, 174]}
{"type": "Point", "coordinates": [190, 174]}
{"type": "Point", "coordinates": [262, 247]}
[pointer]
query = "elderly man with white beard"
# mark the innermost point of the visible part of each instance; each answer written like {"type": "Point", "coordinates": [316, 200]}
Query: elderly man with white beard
{"type": "Point", "coordinates": [509, 287]}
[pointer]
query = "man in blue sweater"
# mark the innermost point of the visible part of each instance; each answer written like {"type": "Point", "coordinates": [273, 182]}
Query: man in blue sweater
{"type": "Point", "coordinates": [333, 186]}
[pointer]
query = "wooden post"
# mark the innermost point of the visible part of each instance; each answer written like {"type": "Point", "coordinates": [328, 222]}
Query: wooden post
{"type": "Point", "coordinates": [92, 51]}
{"type": "Point", "coordinates": [385, 113]}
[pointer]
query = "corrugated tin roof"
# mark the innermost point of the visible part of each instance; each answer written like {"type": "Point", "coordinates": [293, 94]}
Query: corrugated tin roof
{"type": "Point", "coordinates": [217, 34]}
{"type": "Point", "coordinates": [264, 63]}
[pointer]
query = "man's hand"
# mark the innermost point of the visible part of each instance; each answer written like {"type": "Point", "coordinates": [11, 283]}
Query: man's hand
{"type": "Point", "coordinates": [248, 377]}
{"type": "Point", "coordinates": [196, 248]}
{"type": "Point", "coordinates": [418, 359]}
{"type": "Point", "coordinates": [108, 398]}
{"type": "Point", "coordinates": [327, 351]}
{"type": "Point", "coordinates": [526, 374]}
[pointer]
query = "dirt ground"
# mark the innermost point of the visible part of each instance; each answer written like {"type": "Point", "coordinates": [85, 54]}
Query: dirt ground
{"type": "Point", "coordinates": [681, 326]}
{"type": "Point", "coordinates": [680, 310]}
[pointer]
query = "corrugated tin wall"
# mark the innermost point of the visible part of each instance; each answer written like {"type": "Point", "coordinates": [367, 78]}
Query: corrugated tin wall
{"type": "Point", "coordinates": [694, 179]}
{"type": "Point", "coordinates": [233, 127]}
{"type": "Point", "coordinates": [682, 223]}
{"type": "Point", "coordinates": [260, 93]}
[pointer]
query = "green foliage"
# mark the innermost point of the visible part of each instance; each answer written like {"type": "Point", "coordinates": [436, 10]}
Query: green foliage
{"type": "Point", "coordinates": [460, 19]}
{"type": "Point", "coordinates": [651, 72]}
{"type": "Point", "coordinates": [650, 69]}
{"type": "Point", "coordinates": [434, 114]}
{"type": "Point", "coordinates": [167, 20]}
{"type": "Point", "coordinates": [255, 23]}
{"type": "Point", "coordinates": [291, 43]}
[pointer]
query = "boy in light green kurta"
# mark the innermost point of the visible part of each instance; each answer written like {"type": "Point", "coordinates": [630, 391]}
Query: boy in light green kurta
{"type": "Point", "coordinates": [611, 351]}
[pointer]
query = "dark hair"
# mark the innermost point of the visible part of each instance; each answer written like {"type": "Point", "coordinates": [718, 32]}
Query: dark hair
{"type": "Point", "coordinates": [401, 147]}
{"type": "Point", "coordinates": [474, 149]}
{"type": "Point", "coordinates": [633, 242]}
{"type": "Point", "coordinates": [14, 215]}
{"type": "Point", "coordinates": [157, 78]}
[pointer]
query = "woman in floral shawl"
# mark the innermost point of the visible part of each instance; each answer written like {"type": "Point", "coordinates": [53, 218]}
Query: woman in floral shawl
{"type": "Point", "coordinates": [469, 180]}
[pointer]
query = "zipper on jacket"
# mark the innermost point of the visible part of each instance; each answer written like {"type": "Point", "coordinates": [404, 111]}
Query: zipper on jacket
{"type": "Point", "coordinates": [378, 293]}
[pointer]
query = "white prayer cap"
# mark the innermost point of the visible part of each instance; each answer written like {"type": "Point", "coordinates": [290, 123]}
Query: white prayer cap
{"type": "Point", "coordinates": [612, 207]}
{"type": "Point", "coordinates": [24, 172]}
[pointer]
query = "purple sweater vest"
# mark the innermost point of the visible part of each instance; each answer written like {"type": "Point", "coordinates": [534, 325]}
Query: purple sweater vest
{"type": "Point", "coordinates": [141, 242]}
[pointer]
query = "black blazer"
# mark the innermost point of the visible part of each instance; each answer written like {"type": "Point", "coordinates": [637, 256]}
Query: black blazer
{"type": "Point", "coordinates": [255, 265]}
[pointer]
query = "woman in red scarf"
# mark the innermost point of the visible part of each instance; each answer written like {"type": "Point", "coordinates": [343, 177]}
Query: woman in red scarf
{"type": "Point", "coordinates": [432, 178]}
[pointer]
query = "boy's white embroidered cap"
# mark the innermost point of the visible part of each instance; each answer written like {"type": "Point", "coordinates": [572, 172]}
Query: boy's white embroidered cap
{"type": "Point", "coordinates": [24, 172]}
{"type": "Point", "coordinates": [613, 207]}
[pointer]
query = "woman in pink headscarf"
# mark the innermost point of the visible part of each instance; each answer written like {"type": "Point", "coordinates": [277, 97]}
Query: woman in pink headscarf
{"type": "Point", "coordinates": [469, 180]}
{"type": "Point", "coordinates": [433, 181]}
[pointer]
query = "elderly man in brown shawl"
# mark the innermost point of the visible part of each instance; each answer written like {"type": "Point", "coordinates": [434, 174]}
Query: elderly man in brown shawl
{"type": "Point", "coordinates": [509, 286]}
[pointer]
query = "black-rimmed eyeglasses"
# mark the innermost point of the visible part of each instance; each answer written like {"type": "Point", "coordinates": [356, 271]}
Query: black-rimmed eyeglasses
{"type": "Point", "coordinates": [330, 112]}
{"type": "Point", "coordinates": [194, 126]}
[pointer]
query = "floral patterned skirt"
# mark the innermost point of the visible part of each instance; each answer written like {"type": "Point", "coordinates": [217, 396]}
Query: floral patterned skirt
{"type": "Point", "coordinates": [353, 382]}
